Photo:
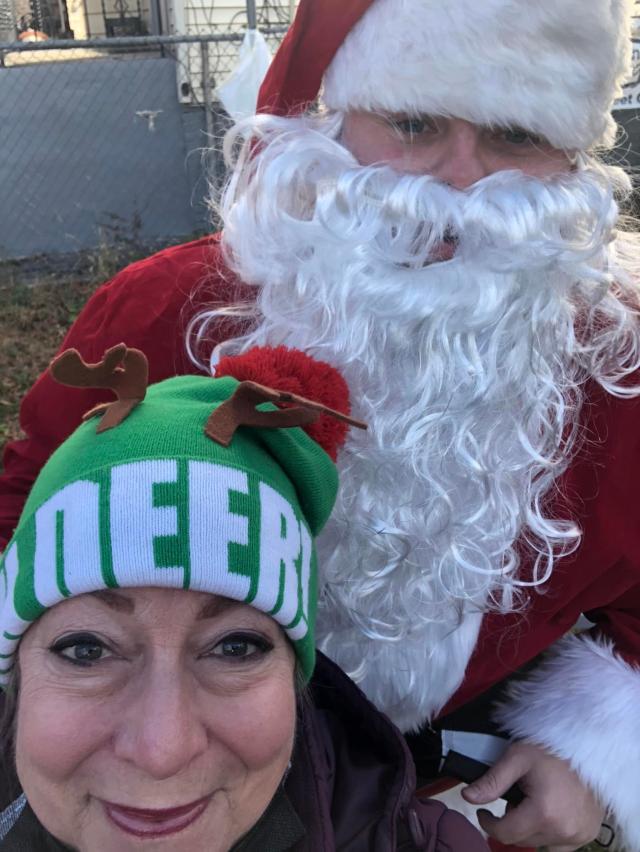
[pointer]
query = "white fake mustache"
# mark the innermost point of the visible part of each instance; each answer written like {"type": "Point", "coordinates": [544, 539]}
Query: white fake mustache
{"type": "Point", "coordinates": [497, 215]}
{"type": "Point", "coordinates": [312, 178]}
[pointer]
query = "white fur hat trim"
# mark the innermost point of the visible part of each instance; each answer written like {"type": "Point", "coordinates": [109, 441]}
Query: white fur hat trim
{"type": "Point", "coordinates": [553, 67]}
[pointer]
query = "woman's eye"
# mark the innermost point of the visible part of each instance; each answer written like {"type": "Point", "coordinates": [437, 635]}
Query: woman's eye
{"type": "Point", "coordinates": [240, 647]}
{"type": "Point", "coordinates": [518, 136]}
{"type": "Point", "coordinates": [81, 650]}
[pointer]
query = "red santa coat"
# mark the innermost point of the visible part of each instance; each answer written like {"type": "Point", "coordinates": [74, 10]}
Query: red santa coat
{"type": "Point", "coordinates": [584, 703]}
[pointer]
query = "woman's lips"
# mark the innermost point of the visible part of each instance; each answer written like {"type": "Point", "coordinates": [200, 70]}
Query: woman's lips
{"type": "Point", "coordinates": [142, 822]}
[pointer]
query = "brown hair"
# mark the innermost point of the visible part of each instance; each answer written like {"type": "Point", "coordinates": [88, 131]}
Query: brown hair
{"type": "Point", "coordinates": [9, 784]}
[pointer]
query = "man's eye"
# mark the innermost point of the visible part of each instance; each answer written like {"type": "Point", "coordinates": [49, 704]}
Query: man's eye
{"type": "Point", "coordinates": [81, 650]}
{"type": "Point", "coordinates": [519, 136]}
{"type": "Point", "coordinates": [413, 126]}
{"type": "Point", "coordinates": [241, 647]}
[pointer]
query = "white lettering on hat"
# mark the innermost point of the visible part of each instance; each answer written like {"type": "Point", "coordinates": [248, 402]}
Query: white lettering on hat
{"type": "Point", "coordinates": [8, 573]}
{"type": "Point", "coordinates": [10, 618]}
{"type": "Point", "coordinates": [279, 551]}
{"type": "Point", "coordinates": [212, 527]}
{"type": "Point", "coordinates": [301, 626]}
{"type": "Point", "coordinates": [136, 522]}
{"type": "Point", "coordinates": [70, 565]}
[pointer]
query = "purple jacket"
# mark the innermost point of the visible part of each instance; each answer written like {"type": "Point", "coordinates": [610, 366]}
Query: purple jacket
{"type": "Point", "coordinates": [353, 781]}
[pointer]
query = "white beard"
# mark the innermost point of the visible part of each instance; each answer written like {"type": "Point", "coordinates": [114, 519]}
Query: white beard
{"type": "Point", "coordinates": [468, 373]}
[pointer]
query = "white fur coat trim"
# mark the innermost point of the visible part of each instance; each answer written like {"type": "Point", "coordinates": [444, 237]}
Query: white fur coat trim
{"type": "Point", "coordinates": [553, 68]}
{"type": "Point", "coordinates": [583, 704]}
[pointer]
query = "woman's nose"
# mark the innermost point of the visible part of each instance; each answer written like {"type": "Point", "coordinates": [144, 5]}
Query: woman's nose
{"type": "Point", "coordinates": [161, 732]}
{"type": "Point", "coordinates": [461, 162]}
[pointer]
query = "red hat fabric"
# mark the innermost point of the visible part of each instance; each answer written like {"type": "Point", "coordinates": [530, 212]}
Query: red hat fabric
{"type": "Point", "coordinates": [295, 76]}
{"type": "Point", "coordinates": [296, 372]}
{"type": "Point", "coordinates": [499, 63]}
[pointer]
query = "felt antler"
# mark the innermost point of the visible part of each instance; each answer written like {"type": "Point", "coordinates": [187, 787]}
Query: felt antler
{"type": "Point", "coordinates": [240, 410]}
{"type": "Point", "coordinates": [122, 370]}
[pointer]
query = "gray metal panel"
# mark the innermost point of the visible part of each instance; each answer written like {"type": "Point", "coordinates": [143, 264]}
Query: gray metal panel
{"type": "Point", "coordinates": [91, 148]}
{"type": "Point", "coordinates": [627, 152]}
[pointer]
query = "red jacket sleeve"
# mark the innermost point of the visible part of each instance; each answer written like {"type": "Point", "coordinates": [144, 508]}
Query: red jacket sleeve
{"type": "Point", "coordinates": [146, 306]}
{"type": "Point", "coordinates": [602, 578]}
{"type": "Point", "coordinates": [610, 554]}
{"type": "Point", "coordinates": [617, 617]}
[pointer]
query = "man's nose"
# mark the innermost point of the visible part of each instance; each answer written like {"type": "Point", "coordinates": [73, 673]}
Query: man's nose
{"type": "Point", "coordinates": [161, 731]}
{"type": "Point", "coordinates": [461, 162]}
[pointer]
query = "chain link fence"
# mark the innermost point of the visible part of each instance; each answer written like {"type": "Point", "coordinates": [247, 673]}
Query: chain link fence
{"type": "Point", "coordinates": [110, 144]}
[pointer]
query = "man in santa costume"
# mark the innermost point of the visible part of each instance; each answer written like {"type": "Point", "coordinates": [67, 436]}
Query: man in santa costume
{"type": "Point", "coordinates": [442, 231]}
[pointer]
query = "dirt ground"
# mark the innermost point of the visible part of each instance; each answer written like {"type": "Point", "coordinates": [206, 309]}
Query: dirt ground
{"type": "Point", "coordinates": [39, 299]}
{"type": "Point", "coordinates": [33, 322]}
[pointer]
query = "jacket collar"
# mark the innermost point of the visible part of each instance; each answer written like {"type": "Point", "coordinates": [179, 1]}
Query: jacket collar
{"type": "Point", "coordinates": [352, 772]}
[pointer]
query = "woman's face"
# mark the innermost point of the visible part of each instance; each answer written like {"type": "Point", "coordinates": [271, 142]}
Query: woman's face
{"type": "Point", "coordinates": [153, 719]}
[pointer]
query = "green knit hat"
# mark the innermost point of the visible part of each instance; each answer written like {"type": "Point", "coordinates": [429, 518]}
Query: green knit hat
{"type": "Point", "coordinates": [156, 502]}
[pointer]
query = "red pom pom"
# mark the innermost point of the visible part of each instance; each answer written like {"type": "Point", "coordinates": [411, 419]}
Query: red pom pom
{"type": "Point", "coordinates": [294, 371]}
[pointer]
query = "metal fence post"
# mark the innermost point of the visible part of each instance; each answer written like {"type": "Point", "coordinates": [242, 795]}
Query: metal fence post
{"type": "Point", "coordinates": [251, 14]}
{"type": "Point", "coordinates": [206, 88]}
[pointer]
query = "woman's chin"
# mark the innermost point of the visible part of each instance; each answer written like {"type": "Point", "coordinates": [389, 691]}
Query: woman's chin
{"type": "Point", "coordinates": [199, 826]}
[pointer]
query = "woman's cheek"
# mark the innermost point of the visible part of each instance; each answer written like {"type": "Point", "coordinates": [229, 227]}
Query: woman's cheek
{"type": "Point", "coordinates": [57, 731]}
{"type": "Point", "coordinates": [260, 726]}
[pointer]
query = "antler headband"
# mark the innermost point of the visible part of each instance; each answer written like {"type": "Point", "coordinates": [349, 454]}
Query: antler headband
{"type": "Point", "coordinates": [126, 372]}
{"type": "Point", "coordinates": [122, 370]}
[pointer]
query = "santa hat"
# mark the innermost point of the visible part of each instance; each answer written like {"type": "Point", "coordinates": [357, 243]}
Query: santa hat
{"type": "Point", "coordinates": [196, 483]}
{"type": "Point", "coordinates": [553, 67]}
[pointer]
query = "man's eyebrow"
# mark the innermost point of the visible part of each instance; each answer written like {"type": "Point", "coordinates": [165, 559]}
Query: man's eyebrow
{"type": "Point", "coordinates": [216, 605]}
{"type": "Point", "coordinates": [114, 600]}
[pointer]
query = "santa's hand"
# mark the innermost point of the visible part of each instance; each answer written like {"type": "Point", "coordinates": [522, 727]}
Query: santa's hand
{"type": "Point", "coordinates": [558, 811]}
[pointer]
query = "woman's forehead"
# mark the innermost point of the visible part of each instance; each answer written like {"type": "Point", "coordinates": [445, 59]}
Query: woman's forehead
{"type": "Point", "coordinates": [147, 602]}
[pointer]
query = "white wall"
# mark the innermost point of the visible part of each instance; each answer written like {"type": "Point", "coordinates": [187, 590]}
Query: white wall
{"type": "Point", "coordinates": [198, 17]}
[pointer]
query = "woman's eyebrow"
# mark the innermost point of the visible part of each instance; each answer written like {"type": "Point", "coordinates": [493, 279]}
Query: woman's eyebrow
{"type": "Point", "coordinates": [216, 606]}
{"type": "Point", "coordinates": [113, 600]}
{"type": "Point", "coordinates": [213, 607]}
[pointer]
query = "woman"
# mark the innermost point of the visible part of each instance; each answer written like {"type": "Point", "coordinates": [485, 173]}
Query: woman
{"type": "Point", "coordinates": [158, 630]}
